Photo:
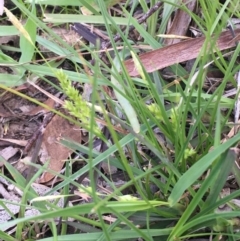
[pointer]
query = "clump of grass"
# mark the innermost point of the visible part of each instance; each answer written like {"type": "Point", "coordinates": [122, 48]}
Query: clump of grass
{"type": "Point", "coordinates": [175, 162]}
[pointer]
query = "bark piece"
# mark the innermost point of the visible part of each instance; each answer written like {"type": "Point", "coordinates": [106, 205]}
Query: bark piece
{"type": "Point", "coordinates": [180, 52]}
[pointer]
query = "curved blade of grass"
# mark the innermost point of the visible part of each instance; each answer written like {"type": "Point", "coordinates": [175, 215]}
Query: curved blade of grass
{"type": "Point", "coordinates": [55, 48]}
{"type": "Point", "coordinates": [58, 3]}
{"type": "Point", "coordinates": [218, 203]}
{"type": "Point", "coordinates": [6, 237]}
{"type": "Point", "coordinates": [8, 31]}
{"type": "Point", "coordinates": [11, 80]}
{"type": "Point", "coordinates": [126, 105]}
{"type": "Point", "coordinates": [26, 48]}
{"type": "Point", "coordinates": [117, 235]}
{"type": "Point", "coordinates": [168, 8]}
{"type": "Point", "coordinates": [189, 177]}
{"type": "Point", "coordinates": [73, 76]}
{"type": "Point", "coordinates": [88, 208]}
{"type": "Point", "coordinates": [76, 18]}
{"type": "Point", "coordinates": [210, 217]}
{"type": "Point", "coordinates": [220, 16]}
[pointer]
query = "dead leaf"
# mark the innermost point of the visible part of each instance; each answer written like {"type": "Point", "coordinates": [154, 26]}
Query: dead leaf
{"type": "Point", "coordinates": [177, 53]}
{"type": "Point", "coordinates": [108, 169]}
{"type": "Point", "coordinates": [69, 36]}
{"type": "Point", "coordinates": [27, 109]}
{"type": "Point", "coordinates": [39, 109]}
{"type": "Point", "coordinates": [7, 39]}
{"type": "Point", "coordinates": [8, 152]}
{"type": "Point", "coordinates": [5, 113]}
{"type": "Point", "coordinates": [54, 151]}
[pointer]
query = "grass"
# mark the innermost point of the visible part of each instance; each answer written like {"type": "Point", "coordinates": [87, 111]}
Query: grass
{"type": "Point", "coordinates": [180, 126]}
